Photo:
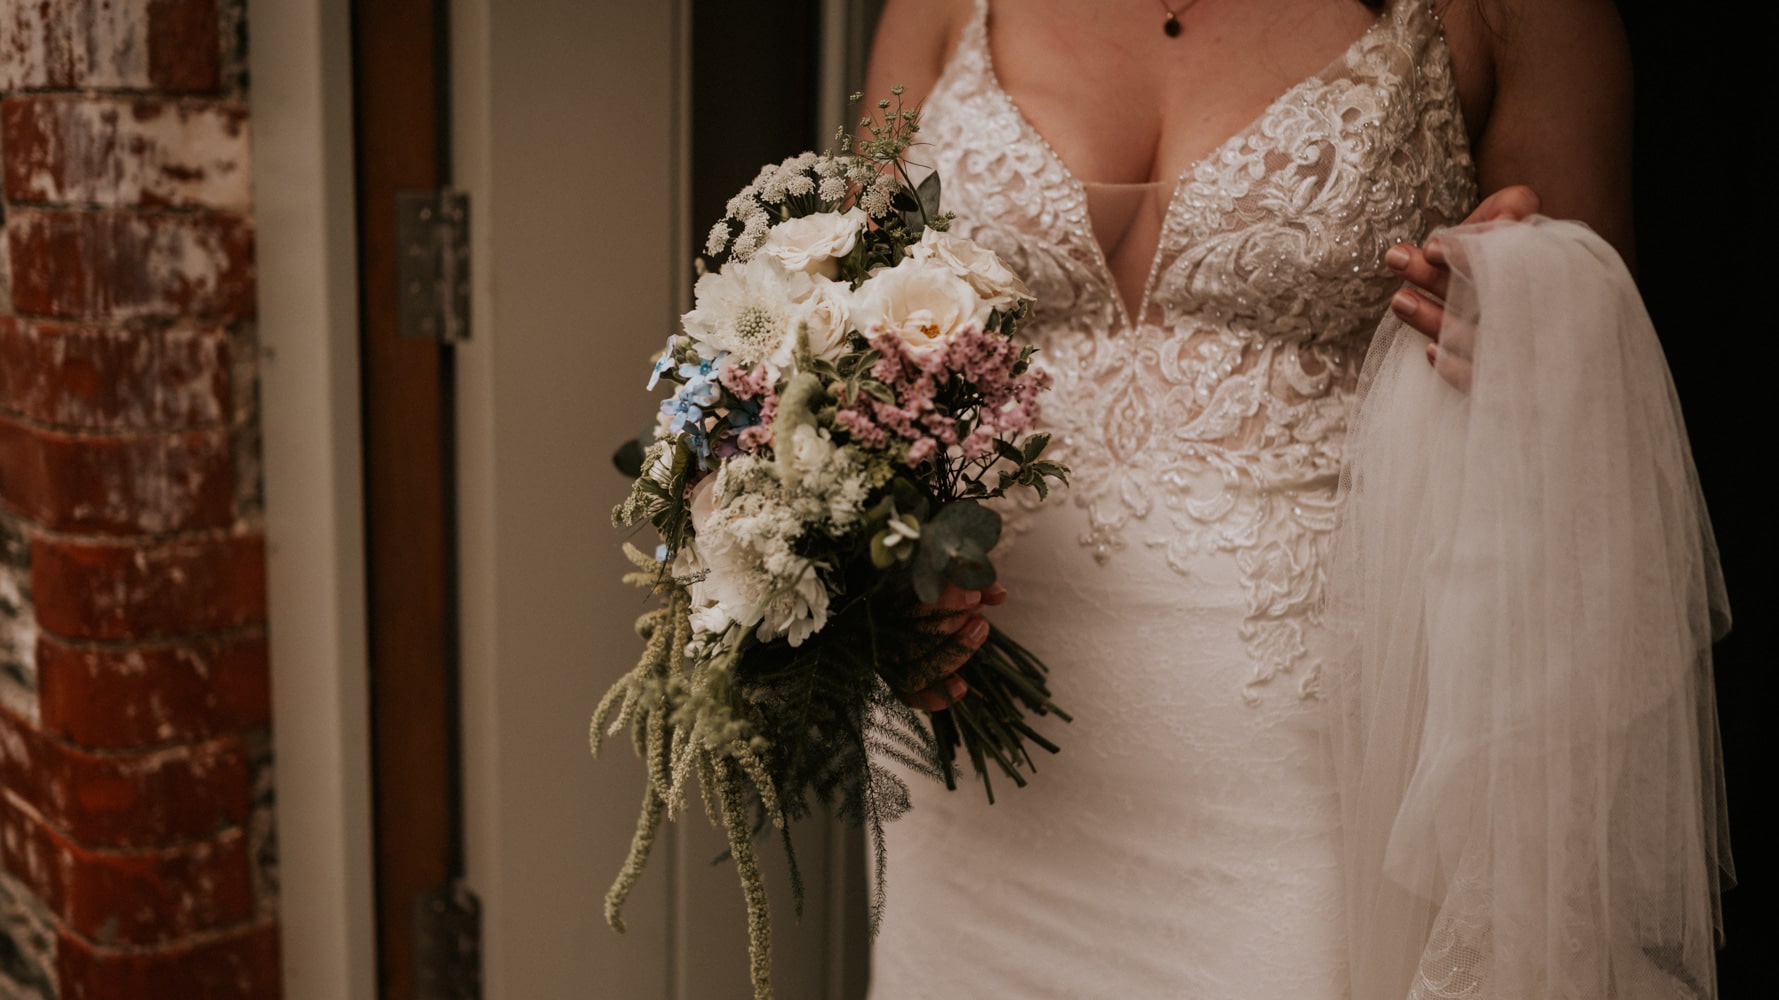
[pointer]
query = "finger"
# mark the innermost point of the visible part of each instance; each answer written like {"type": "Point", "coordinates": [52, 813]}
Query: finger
{"type": "Point", "coordinates": [1514, 202]}
{"type": "Point", "coordinates": [930, 700]}
{"type": "Point", "coordinates": [1418, 312]}
{"type": "Point", "coordinates": [994, 595]}
{"type": "Point", "coordinates": [952, 622]}
{"type": "Point", "coordinates": [955, 598]}
{"type": "Point", "coordinates": [1417, 266]}
{"type": "Point", "coordinates": [1434, 252]}
{"type": "Point", "coordinates": [969, 640]}
{"type": "Point", "coordinates": [955, 689]}
{"type": "Point", "coordinates": [1452, 366]}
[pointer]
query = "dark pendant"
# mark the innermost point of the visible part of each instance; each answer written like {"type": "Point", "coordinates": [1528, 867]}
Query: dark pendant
{"type": "Point", "coordinates": [1171, 25]}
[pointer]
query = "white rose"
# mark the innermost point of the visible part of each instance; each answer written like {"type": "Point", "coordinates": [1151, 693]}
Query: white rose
{"type": "Point", "coordinates": [922, 300]}
{"type": "Point", "coordinates": [976, 264]}
{"type": "Point", "coordinates": [827, 314]}
{"type": "Point", "coordinates": [812, 243]}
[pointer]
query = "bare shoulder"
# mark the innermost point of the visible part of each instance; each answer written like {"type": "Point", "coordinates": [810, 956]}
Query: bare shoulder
{"type": "Point", "coordinates": [914, 39]}
{"type": "Point", "coordinates": [1556, 114]}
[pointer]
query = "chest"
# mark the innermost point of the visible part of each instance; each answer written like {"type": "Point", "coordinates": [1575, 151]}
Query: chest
{"type": "Point", "coordinates": [1276, 224]}
{"type": "Point", "coordinates": [1121, 101]}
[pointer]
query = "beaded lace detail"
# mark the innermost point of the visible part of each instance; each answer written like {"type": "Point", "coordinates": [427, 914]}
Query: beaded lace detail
{"type": "Point", "coordinates": [1211, 416]}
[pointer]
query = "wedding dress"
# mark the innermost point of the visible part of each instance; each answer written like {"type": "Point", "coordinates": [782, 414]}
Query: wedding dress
{"type": "Point", "coordinates": [1186, 841]}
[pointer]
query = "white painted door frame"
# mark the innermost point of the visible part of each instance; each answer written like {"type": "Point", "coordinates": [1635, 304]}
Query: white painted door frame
{"type": "Point", "coordinates": [303, 176]}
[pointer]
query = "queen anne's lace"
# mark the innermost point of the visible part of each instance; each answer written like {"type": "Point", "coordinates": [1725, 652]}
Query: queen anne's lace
{"type": "Point", "coordinates": [1215, 421]}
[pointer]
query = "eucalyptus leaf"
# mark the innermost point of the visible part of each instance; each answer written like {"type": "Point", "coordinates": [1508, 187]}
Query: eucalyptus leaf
{"type": "Point", "coordinates": [970, 568]}
{"type": "Point", "coordinates": [928, 574]}
{"type": "Point", "coordinates": [954, 548]}
{"type": "Point", "coordinates": [966, 520]}
{"type": "Point", "coordinates": [928, 193]}
{"type": "Point", "coordinates": [908, 498]}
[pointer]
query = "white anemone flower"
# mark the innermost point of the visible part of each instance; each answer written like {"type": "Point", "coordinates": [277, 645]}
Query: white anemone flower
{"type": "Point", "coordinates": [749, 309]}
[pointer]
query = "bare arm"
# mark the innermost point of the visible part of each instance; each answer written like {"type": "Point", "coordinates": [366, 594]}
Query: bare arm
{"type": "Point", "coordinates": [1560, 122]}
{"type": "Point", "coordinates": [1557, 139]}
{"type": "Point", "coordinates": [914, 38]}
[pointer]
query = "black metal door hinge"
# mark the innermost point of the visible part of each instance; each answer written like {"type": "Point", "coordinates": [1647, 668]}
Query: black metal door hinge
{"type": "Point", "coordinates": [447, 943]}
{"type": "Point", "coordinates": [432, 238]}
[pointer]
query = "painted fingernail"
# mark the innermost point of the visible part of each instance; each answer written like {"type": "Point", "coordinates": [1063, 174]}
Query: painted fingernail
{"type": "Point", "coordinates": [1403, 303]}
{"type": "Point", "coordinates": [976, 632]}
{"type": "Point", "coordinates": [1397, 258]}
{"type": "Point", "coordinates": [955, 687]}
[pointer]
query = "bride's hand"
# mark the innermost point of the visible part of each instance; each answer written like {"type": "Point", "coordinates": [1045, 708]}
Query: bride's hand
{"type": "Point", "coordinates": [1421, 302]}
{"type": "Point", "coordinates": [959, 607]}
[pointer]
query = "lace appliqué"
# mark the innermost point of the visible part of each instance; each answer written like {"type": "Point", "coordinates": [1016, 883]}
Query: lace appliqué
{"type": "Point", "coordinates": [1214, 419]}
{"type": "Point", "coordinates": [1456, 962]}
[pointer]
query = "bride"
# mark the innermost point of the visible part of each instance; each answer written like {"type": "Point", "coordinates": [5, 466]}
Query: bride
{"type": "Point", "coordinates": [1215, 204]}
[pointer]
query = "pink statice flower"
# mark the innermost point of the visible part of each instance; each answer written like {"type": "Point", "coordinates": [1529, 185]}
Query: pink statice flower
{"type": "Point", "coordinates": [955, 400]}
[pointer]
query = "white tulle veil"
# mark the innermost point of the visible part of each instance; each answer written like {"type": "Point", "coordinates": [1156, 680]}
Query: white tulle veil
{"type": "Point", "coordinates": [1528, 586]}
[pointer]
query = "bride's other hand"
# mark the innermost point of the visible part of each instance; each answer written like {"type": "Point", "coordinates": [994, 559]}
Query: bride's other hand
{"type": "Point", "coordinates": [962, 620]}
{"type": "Point", "coordinates": [1427, 274]}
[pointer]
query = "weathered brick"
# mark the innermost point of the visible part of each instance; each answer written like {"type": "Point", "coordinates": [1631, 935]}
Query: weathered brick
{"type": "Point", "coordinates": [128, 897]}
{"type": "Point", "coordinates": [117, 800]}
{"type": "Point", "coordinates": [237, 965]}
{"type": "Point", "coordinates": [109, 591]}
{"type": "Point", "coordinates": [122, 696]}
{"type": "Point", "coordinates": [112, 265]}
{"type": "Point", "coordinates": [78, 377]}
{"type": "Point", "coordinates": [27, 967]}
{"type": "Point", "coordinates": [125, 151]}
{"type": "Point", "coordinates": [112, 484]}
{"type": "Point", "coordinates": [18, 619]}
{"type": "Point", "coordinates": [109, 44]}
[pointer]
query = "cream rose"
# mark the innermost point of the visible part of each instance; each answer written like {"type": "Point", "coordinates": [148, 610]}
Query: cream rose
{"type": "Point", "coordinates": [923, 301]}
{"type": "Point", "coordinates": [826, 313]}
{"type": "Point", "coordinates": [979, 266]}
{"type": "Point", "coordinates": [811, 243]}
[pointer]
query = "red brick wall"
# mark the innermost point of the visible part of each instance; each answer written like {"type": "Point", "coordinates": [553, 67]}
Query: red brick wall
{"type": "Point", "coordinates": [135, 799]}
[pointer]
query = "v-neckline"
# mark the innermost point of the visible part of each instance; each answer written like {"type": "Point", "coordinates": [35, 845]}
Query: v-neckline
{"type": "Point", "coordinates": [1128, 320]}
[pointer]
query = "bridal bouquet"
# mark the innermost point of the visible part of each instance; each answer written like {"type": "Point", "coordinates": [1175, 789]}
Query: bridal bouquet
{"type": "Point", "coordinates": [844, 393]}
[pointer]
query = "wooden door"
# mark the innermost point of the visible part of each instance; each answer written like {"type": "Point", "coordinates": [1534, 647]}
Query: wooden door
{"type": "Point", "coordinates": [401, 99]}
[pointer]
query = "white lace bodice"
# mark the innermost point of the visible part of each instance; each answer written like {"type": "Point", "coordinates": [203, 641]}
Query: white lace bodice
{"type": "Point", "coordinates": [1185, 842]}
{"type": "Point", "coordinates": [1211, 416]}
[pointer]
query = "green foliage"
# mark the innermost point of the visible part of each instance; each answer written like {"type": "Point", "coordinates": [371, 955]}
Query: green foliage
{"type": "Point", "coordinates": [658, 495]}
{"type": "Point", "coordinates": [954, 548]}
{"type": "Point", "coordinates": [1030, 468]}
{"type": "Point", "coordinates": [920, 206]}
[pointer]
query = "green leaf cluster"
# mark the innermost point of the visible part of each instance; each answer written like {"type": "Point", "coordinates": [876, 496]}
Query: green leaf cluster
{"type": "Point", "coordinates": [1030, 468]}
{"type": "Point", "coordinates": [658, 494]}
